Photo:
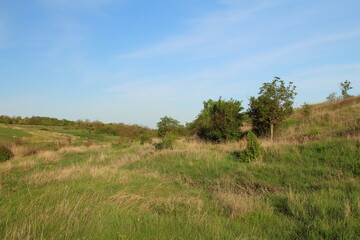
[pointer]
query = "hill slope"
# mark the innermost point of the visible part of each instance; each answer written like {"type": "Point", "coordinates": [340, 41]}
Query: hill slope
{"type": "Point", "coordinates": [103, 190]}
{"type": "Point", "coordinates": [329, 119]}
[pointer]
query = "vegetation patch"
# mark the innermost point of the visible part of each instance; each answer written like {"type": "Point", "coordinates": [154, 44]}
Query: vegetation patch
{"type": "Point", "coordinates": [5, 153]}
{"type": "Point", "coordinates": [12, 134]}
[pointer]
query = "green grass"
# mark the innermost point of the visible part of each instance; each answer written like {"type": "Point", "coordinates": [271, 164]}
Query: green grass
{"type": "Point", "coordinates": [11, 134]}
{"type": "Point", "coordinates": [306, 191]}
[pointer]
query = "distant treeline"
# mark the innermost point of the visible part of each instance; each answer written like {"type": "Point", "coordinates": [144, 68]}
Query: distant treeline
{"type": "Point", "coordinates": [116, 129]}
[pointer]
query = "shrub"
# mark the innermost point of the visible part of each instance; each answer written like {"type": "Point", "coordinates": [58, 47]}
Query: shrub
{"type": "Point", "coordinates": [306, 109]}
{"type": "Point", "coordinates": [253, 150]}
{"type": "Point", "coordinates": [5, 153]}
{"type": "Point", "coordinates": [167, 142]}
{"type": "Point", "coordinates": [145, 139]}
{"type": "Point", "coordinates": [314, 131]}
{"type": "Point", "coordinates": [219, 121]}
{"type": "Point", "coordinates": [332, 97]}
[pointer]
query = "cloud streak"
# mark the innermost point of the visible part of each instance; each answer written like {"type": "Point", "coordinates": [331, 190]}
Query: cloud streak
{"type": "Point", "coordinates": [208, 30]}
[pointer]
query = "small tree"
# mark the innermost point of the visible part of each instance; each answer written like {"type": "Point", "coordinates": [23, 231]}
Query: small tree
{"type": "Point", "coordinates": [167, 125]}
{"type": "Point", "coordinates": [331, 97]}
{"type": "Point", "coordinates": [273, 104]}
{"type": "Point", "coordinates": [345, 87]}
{"type": "Point", "coordinates": [220, 120]}
{"type": "Point", "coordinates": [253, 150]}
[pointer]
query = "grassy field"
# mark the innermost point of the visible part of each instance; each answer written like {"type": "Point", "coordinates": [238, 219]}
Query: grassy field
{"type": "Point", "coordinates": [106, 190]}
{"type": "Point", "coordinates": [330, 119]}
{"type": "Point", "coordinates": [11, 134]}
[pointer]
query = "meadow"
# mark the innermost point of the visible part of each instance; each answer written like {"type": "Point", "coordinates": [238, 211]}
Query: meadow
{"type": "Point", "coordinates": [60, 185]}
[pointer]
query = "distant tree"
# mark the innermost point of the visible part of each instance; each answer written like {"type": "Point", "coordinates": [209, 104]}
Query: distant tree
{"type": "Point", "coordinates": [219, 120]}
{"type": "Point", "coordinates": [274, 103]}
{"type": "Point", "coordinates": [331, 97]}
{"type": "Point", "coordinates": [345, 87]}
{"type": "Point", "coordinates": [6, 119]}
{"type": "Point", "coordinates": [167, 125]}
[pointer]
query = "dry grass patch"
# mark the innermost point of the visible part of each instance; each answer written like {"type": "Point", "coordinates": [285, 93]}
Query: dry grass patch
{"type": "Point", "coordinates": [22, 151]}
{"type": "Point", "coordinates": [49, 156]}
{"type": "Point", "coordinates": [97, 157]}
{"type": "Point", "coordinates": [69, 173]}
{"type": "Point", "coordinates": [59, 175]}
{"type": "Point", "coordinates": [232, 146]}
{"type": "Point", "coordinates": [235, 205]}
{"type": "Point", "coordinates": [26, 163]}
{"type": "Point", "coordinates": [161, 205]}
{"type": "Point", "coordinates": [99, 171]}
{"type": "Point", "coordinates": [133, 157]}
{"type": "Point", "coordinates": [80, 149]}
{"type": "Point", "coordinates": [6, 167]}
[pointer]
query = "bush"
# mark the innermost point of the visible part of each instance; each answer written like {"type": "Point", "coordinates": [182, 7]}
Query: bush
{"type": "Point", "coordinates": [5, 153]}
{"type": "Point", "coordinates": [145, 139]}
{"type": "Point", "coordinates": [331, 97]}
{"type": "Point", "coordinates": [167, 142]}
{"type": "Point", "coordinates": [306, 109]}
{"type": "Point", "coordinates": [219, 121]}
{"type": "Point", "coordinates": [253, 150]}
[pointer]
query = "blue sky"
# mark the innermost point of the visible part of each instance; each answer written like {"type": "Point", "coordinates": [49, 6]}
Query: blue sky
{"type": "Point", "coordinates": [134, 61]}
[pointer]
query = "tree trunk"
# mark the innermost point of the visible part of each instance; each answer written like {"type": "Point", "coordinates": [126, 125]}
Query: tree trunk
{"type": "Point", "coordinates": [271, 131]}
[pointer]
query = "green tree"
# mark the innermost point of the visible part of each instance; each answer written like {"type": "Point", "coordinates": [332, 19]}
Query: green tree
{"type": "Point", "coordinates": [345, 87]}
{"type": "Point", "coordinates": [274, 103]}
{"type": "Point", "coordinates": [220, 120]}
{"type": "Point", "coordinates": [167, 125]}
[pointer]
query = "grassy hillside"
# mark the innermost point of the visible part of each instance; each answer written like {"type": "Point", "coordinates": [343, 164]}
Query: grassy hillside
{"type": "Point", "coordinates": [103, 189]}
{"type": "Point", "coordinates": [329, 119]}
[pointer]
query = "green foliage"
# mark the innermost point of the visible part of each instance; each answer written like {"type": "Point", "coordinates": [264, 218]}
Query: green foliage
{"type": "Point", "coordinates": [167, 125]}
{"type": "Point", "coordinates": [5, 153]}
{"type": "Point", "coordinates": [345, 87]}
{"type": "Point", "coordinates": [145, 139]}
{"type": "Point", "coordinates": [11, 134]}
{"type": "Point", "coordinates": [314, 131]}
{"type": "Point", "coordinates": [220, 121]}
{"type": "Point", "coordinates": [253, 150]}
{"type": "Point", "coordinates": [96, 127]}
{"type": "Point", "coordinates": [332, 97]}
{"type": "Point", "coordinates": [306, 110]}
{"type": "Point", "coordinates": [167, 142]}
{"type": "Point", "coordinates": [274, 103]}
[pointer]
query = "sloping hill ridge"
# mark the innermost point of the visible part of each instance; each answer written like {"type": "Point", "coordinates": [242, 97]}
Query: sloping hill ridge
{"type": "Point", "coordinates": [338, 118]}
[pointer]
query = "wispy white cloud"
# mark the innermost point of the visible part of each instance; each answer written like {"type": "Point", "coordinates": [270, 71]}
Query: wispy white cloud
{"type": "Point", "coordinates": [217, 27]}
{"type": "Point", "coordinates": [230, 31]}
{"type": "Point", "coordinates": [284, 53]}
{"type": "Point", "coordinates": [220, 80]}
